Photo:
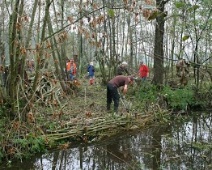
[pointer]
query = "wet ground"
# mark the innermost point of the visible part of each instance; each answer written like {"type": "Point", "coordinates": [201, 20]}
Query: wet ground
{"type": "Point", "coordinates": [185, 143]}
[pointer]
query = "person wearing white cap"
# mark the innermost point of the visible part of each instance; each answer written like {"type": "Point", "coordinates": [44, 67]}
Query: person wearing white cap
{"type": "Point", "coordinates": [122, 69]}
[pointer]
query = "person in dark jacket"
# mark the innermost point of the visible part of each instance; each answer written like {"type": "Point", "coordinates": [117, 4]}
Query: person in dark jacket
{"type": "Point", "coordinates": [112, 90]}
{"type": "Point", "coordinates": [91, 71]}
{"type": "Point", "coordinates": [122, 69]}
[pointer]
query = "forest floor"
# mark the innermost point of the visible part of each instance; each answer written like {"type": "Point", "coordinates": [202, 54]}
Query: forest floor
{"type": "Point", "coordinates": [83, 115]}
{"type": "Point", "coordinates": [77, 118]}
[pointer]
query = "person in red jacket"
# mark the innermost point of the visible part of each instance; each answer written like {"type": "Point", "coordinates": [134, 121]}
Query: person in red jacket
{"type": "Point", "coordinates": [143, 71]}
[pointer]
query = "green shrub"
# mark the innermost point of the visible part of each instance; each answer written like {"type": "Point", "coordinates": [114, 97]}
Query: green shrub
{"type": "Point", "coordinates": [179, 98]}
{"type": "Point", "coordinates": [29, 145]}
{"type": "Point", "coordinates": [176, 98]}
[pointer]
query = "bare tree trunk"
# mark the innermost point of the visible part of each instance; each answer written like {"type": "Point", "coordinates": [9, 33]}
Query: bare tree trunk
{"type": "Point", "coordinates": [40, 45]}
{"type": "Point", "coordinates": [172, 48]}
{"type": "Point", "coordinates": [12, 54]}
{"type": "Point", "coordinates": [158, 50]}
{"type": "Point", "coordinates": [80, 53]}
{"type": "Point", "coordinates": [61, 55]}
{"type": "Point", "coordinates": [54, 49]}
{"type": "Point", "coordinates": [113, 47]}
{"type": "Point", "coordinates": [123, 37]}
{"type": "Point", "coordinates": [101, 57]}
{"type": "Point", "coordinates": [130, 32]}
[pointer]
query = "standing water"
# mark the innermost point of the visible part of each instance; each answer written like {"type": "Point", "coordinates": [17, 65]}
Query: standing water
{"type": "Point", "coordinates": [184, 144]}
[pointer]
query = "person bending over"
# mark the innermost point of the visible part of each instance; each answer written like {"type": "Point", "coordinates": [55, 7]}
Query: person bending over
{"type": "Point", "coordinates": [112, 90]}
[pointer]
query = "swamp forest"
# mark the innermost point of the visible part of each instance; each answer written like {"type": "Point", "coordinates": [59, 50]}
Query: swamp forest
{"type": "Point", "coordinates": [52, 117]}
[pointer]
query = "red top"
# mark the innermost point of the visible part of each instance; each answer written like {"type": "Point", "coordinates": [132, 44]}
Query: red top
{"type": "Point", "coordinates": [143, 70]}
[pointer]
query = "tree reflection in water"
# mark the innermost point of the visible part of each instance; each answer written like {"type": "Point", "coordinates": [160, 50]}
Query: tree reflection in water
{"type": "Point", "coordinates": [179, 146]}
{"type": "Point", "coordinates": [118, 153]}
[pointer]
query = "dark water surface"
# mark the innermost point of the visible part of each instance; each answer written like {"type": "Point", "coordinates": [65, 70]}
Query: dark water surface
{"type": "Point", "coordinates": [181, 145]}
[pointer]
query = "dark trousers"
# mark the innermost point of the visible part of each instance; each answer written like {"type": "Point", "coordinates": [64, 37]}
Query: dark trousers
{"type": "Point", "coordinates": [112, 94]}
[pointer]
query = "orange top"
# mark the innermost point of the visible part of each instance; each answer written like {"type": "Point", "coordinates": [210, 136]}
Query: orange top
{"type": "Point", "coordinates": [68, 66]}
{"type": "Point", "coordinates": [71, 66]}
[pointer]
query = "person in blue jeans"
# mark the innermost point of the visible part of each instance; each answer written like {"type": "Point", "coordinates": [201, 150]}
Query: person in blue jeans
{"type": "Point", "coordinates": [91, 71]}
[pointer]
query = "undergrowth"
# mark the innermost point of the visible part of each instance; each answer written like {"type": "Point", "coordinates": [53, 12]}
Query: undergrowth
{"type": "Point", "coordinates": [175, 99]}
{"type": "Point", "coordinates": [21, 140]}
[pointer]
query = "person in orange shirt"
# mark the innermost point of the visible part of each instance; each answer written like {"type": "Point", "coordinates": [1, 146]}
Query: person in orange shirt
{"type": "Point", "coordinates": [71, 69]}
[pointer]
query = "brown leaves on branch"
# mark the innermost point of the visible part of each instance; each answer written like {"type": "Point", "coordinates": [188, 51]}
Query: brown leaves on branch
{"type": "Point", "coordinates": [100, 19]}
{"type": "Point", "coordinates": [48, 44]}
{"type": "Point", "coordinates": [96, 21]}
{"type": "Point", "coordinates": [149, 14]}
{"type": "Point", "coordinates": [70, 19]}
{"type": "Point", "coordinates": [146, 13]}
{"type": "Point", "coordinates": [93, 23]}
{"type": "Point", "coordinates": [38, 47]}
{"type": "Point", "coordinates": [148, 2]}
{"type": "Point", "coordinates": [64, 146]}
{"type": "Point", "coordinates": [16, 125]}
{"type": "Point", "coordinates": [47, 55]}
{"type": "Point", "coordinates": [94, 43]}
{"type": "Point", "coordinates": [18, 26]}
{"type": "Point", "coordinates": [20, 21]}
{"type": "Point", "coordinates": [30, 117]}
{"type": "Point", "coordinates": [125, 2]}
{"type": "Point", "coordinates": [95, 6]}
{"type": "Point", "coordinates": [23, 50]}
{"type": "Point", "coordinates": [62, 37]}
{"type": "Point", "coordinates": [24, 18]}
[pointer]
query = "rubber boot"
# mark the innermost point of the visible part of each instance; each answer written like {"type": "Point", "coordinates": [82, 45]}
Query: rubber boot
{"type": "Point", "coordinates": [90, 81]}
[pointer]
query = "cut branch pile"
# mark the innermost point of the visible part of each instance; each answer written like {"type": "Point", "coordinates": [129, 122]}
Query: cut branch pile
{"type": "Point", "coordinates": [97, 128]}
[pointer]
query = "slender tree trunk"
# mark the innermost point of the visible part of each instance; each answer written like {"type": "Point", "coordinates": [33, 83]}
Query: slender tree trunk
{"type": "Point", "coordinates": [111, 59]}
{"type": "Point", "coordinates": [61, 55]}
{"type": "Point", "coordinates": [101, 57]}
{"type": "Point", "coordinates": [172, 48]}
{"type": "Point", "coordinates": [54, 49]}
{"type": "Point", "coordinates": [158, 50]}
{"type": "Point", "coordinates": [80, 42]}
{"type": "Point", "coordinates": [40, 45]}
{"type": "Point", "coordinates": [130, 33]}
{"type": "Point", "coordinates": [123, 37]}
{"type": "Point", "coordinates": [113, 43]}
{"type": "Point", "coordinates": [12, 54]}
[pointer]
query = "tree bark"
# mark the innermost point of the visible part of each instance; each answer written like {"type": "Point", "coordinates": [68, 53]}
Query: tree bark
{"type": "Point", "coordinates": [12, 52]}
{"type": "Point", "coordinates": [158, 49]}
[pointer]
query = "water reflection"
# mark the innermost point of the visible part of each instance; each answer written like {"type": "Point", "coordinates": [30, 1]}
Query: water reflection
{"type": "Point", "coordinates": [176, 146]}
